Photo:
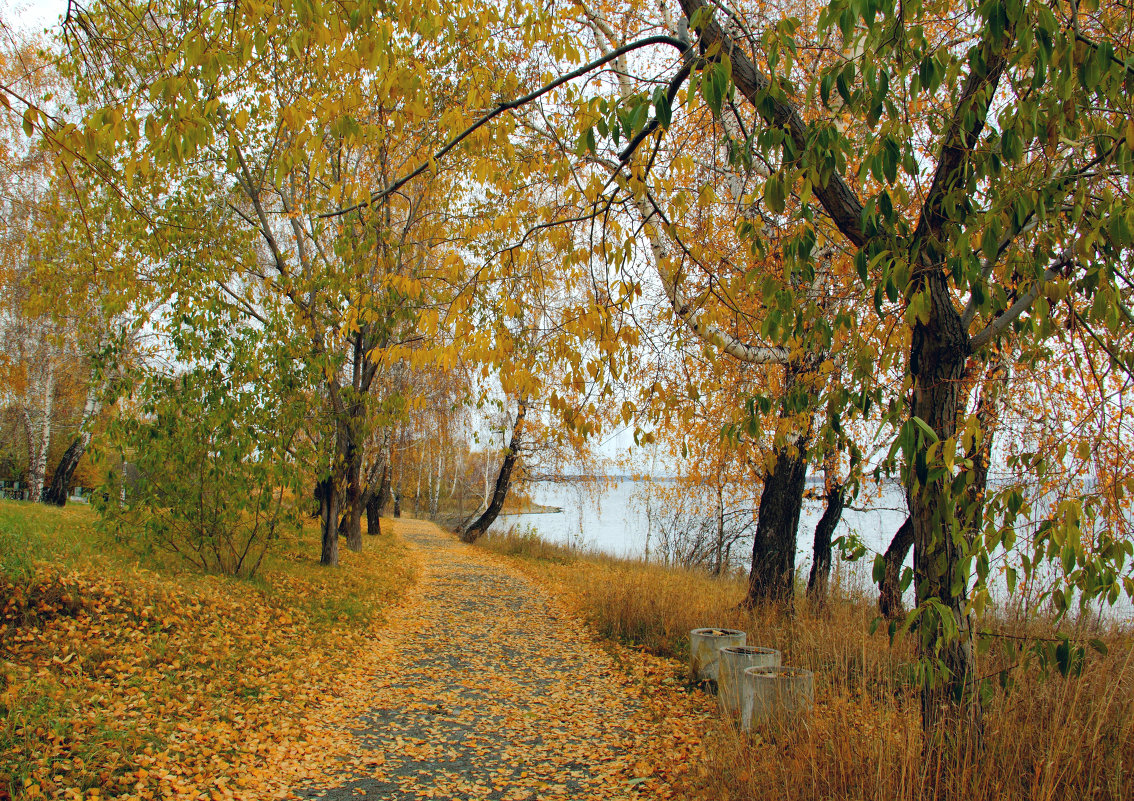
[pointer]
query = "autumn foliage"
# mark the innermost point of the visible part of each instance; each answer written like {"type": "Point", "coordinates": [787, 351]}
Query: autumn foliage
{"type": "Point", "coordinates": [120, 679]}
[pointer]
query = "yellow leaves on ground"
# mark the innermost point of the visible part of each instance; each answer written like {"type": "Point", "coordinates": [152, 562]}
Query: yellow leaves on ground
{"type": "Point", "coordinates": [497, 691]}
{"type": "Point", "coordinates": [119, 681]}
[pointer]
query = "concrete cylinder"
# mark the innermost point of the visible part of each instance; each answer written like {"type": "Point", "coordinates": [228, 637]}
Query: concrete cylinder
{"type": "Point", "coordinates": [704, 651]}
{"type": "Point", "coordinates": [734, 660]}
{"type": "Point", "coordinates": [775, 696]}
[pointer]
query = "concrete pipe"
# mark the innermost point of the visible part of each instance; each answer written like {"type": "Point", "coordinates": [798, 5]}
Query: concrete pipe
{"type": "Point", "coordinates": [775, 696]}
{"type": "Point", "coordinates": [734, 660]}
{"type": "Point", "coordinates": [704, 648]}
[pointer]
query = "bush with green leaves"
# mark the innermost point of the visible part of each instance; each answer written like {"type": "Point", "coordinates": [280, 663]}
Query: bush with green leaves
{"type": "Point", "coordinates": [206, 467]}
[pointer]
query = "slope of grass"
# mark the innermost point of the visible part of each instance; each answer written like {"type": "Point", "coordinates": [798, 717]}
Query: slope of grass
{"type": "Point", "coordinates": [135, 678]}
{"type": "Point", "coordinates": [1046, 736]}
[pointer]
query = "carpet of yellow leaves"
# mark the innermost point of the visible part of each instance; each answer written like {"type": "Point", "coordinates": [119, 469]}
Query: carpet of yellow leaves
{"type": "Point", "coordinates": [675, 723]}
{"type": "Point", "coordinates": [118, 680]}
{"type": "Point", "coordinates": [497, 691]}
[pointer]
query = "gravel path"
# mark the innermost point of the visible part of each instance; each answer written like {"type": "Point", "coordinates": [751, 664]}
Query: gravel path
{"type": "Point", "coordinates": [492, 694]}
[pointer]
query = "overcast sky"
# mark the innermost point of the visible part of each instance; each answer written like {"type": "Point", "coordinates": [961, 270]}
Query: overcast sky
{"type": "Point", "coordinates": [33, 14]}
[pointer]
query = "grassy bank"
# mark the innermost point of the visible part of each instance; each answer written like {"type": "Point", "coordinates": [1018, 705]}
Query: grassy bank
{"type": "Point", "coordinates": [1047, 735]}
{"type": "Point", "coordinates": [122, 677]}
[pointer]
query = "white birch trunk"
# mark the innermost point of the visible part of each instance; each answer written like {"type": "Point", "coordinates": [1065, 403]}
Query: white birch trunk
{"type": "Point", "coordinates": [40, 440]}
{"type": "Point", "coordinates": [435, 488]}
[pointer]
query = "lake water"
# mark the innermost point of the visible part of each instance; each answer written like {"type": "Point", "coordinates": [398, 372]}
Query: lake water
{"type": "Point", "coordinates": [612, 519]}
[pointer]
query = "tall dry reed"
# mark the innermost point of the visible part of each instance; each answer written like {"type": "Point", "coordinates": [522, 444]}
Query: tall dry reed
{"type": "Point", "coordinates": [1047, 736]}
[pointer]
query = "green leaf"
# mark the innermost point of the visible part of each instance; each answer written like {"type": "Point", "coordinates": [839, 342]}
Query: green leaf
{"type": "Point", "coordinates": [774, 194]}
{"type": "Point", "coordinates": [928, 432]}
{"type": "Point", "coordinates": [662, 107]}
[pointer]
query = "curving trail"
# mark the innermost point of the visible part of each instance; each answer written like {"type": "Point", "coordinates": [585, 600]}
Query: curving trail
{"type": "Point", "coordinates": [491, 694]}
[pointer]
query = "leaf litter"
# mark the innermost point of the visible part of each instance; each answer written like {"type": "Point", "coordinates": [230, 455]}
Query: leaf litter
{"type": "Point", "coordinates": [496, 691]}
{"type": "Point", "coordinates": [482, 684]}
{"type": "Point", "coordinates": [123, 682]}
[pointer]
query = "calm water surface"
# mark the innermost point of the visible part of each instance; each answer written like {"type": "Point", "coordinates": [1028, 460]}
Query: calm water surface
{"type": "Point", "coordinates": [612, 519]}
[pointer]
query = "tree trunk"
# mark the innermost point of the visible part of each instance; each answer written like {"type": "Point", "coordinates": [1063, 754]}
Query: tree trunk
{"type": "Point", "coordinates": [56, 493]}
{"type": "Point", "coordinates": [503, 480]}
{"type": "Point", "coordinates": [417, 491]}
{"type": "Point", "coordinates": [980, 453]}
{"type": "Point", "coordinates": [398, 502]}
{"type": "Point", "coordinates": [328, 496]}
{"type": "Point", "coordinates": [61, 478]}
{"type": "Point", "coordinates": [382, 497]}
{"type": "Point", "coordinates": [354, 504]}
{"type": "Point", "coordinates": [772, 577]}
{"type": "Point", "coordinates": [40, 440]}
{"type": "Point", "coordinates": [939, 349]}
{"type": "Point", "coordinates": [718, 565]}
{"type": "Point", "coordinates": [890, 587]}
{"type": "Point", "coordinates": [356, 507]}
{"type": "Point", "coordinates": [373, 516]}
{"type": "Point", "coordinates": [370, 499]}
{"type": "Point", "coordinates": [435, 488]}
{"type": "Point", "coordinates": [821, 550]}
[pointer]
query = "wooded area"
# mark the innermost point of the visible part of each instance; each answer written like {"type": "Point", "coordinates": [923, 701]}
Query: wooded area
{"type": "Point", "coordinates": [264, 262]}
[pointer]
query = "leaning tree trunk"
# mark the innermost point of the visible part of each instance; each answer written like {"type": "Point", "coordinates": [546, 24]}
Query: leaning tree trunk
{"type": "Point", "coordinates": [821, 552]}
{"type": "Point", "coordinates": [503, 480]}
{"type": "Point", "coordinates": [56, 493]}
{"type": "Point", "coordinates": [890, 587]}
{"type": "Point", "coordinates": [772, 577]}
{"type": "Point", "coordinates": [939, 349]}
{"type": "Point", "coordinates": [61, 479]}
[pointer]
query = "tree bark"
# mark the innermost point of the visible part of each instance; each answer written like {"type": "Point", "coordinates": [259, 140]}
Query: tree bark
{"type": "Point", "coordinates": [61, 478]}
{"type": "Point", "coordinates": [988, 419]}
{"type": "Point", "coordinates": [821, 550]}
{"type": "Point", "coordinates": [370, 496]}
{"type": "Point", "coordinates": [382, 497]}
{"type": "Point", "coordinates": [889, 589]}
{"type": "Point", "coordinates": [39, 441]}
{"type": "Point", "coordinates": [56, 494]}
{"type": "Point", "coordinates": [373, 516]}
{"type": "Point", "coordinates": [939, 349]}
{"type": "Point", "coordinates": [328, 497]}
{"type": "Point", "coordinates": [718, 563]}
{"type": "Point", "coordinates": [772, 577]}
{"type": "Point", "coordinates": [503, 480]}
{"type": "Point", "coordinates": [354, 504]}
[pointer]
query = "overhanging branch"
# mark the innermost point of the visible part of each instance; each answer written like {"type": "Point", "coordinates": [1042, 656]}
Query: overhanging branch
{"type": "Point", "coordinates": [510, 105]}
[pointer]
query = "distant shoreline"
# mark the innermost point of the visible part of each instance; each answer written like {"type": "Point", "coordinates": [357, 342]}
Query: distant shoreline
{"type": "Point", "coordinates": [533, 509]}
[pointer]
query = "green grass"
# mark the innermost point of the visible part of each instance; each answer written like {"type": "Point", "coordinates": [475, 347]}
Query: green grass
{"type": "Point", "coordinates": [30, 531]}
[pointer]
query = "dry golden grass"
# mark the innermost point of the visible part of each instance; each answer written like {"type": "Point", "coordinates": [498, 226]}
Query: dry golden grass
{"type": "Point", "coordinates": [1047, 737]}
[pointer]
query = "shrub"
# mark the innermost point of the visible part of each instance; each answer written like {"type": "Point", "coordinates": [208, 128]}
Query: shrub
{"type": "Point", "coordinates": [205, 469]}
